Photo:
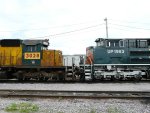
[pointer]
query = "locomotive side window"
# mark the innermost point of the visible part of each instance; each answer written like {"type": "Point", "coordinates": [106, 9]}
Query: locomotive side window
{"type": "Point", "coordinates": [112, 44]}
{"type": "Point", "coordinates": [132, 43]}
{"type": "Point", "coordinates": [121, 43]}
{"type": "Point", "coordinates": [107, 44]}
{"type": "Point", "coordinates": [142, 44]}
{"type": "Point", "coordinates": [34, 48]}
{"type": "Point", "coordinates": [44, 48]}
{"type": "Point", "coordinates": [28, 48]}
{"type": "Point", "coordinates": [117, 44]}
{"type": "Point", "coordinates": [31, 48]}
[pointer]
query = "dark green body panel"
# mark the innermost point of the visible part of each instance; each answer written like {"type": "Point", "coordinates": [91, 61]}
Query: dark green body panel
{"type": "Point", "coordinates": [110, 55]}
{"type": "Point", "coordinates": [123, 55]}
{"type": "Point", "coordinates": [31, 62]}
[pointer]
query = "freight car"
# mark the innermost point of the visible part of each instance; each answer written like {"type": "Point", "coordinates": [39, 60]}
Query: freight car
{"type": "Point", "coordinates": [118, 59]}
{"type": "Point", "coordinates": [30, 59]}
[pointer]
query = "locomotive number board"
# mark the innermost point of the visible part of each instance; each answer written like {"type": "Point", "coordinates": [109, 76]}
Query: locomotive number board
{"type": "Point", "coordinates": [32, 55]}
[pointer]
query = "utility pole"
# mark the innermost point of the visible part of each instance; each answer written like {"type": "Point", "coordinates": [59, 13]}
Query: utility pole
{"type": "Point", "coordinates": [106, 27]}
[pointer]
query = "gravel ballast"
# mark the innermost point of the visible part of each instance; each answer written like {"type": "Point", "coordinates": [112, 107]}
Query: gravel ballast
{"type": "Point", "coordinates": [79, 86]}
{"type": "Point", "coordinates": [61, 105]}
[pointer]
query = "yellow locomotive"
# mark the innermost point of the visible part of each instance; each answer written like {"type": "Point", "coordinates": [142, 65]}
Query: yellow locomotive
{"type": "Point", "coordinates": [30, 59]}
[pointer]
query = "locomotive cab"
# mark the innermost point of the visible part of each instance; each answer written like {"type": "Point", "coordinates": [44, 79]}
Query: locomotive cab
{"type": "Point", "coordinates": [109, 51]}
{"type": "Point", "coordinates": [32, 52]}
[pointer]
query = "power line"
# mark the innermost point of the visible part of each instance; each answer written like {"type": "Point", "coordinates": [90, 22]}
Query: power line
{"type": "Point", "coordinates": [129, 21]}
{"type": "Point", "coordinates": [57, 34]}
{"type": "Point", "coordinates": [120, 29]}
{"type": "Point", "coordinates": [129, 26]}
{"type": "Point", "coordinates": [60, 26]}
{"type": "Point", "coordinates": [69, 25]}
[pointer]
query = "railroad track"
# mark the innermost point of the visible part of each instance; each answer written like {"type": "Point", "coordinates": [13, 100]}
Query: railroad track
{"type": "Point", "coordinates": [105, 81]}
{"type": "Point", "coordinates": [74, 94]}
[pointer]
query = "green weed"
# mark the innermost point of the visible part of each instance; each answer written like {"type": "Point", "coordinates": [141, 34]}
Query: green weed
{"type": "Point", "coordinates": [22, 108]}
{"type": "Point", "coordinates": [114, 110]}
{"type": "Point", "coordinates": [92, 111]}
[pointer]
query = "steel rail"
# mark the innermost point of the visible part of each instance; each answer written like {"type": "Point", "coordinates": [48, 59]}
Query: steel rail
{"type": "Point", "coordinates": [73, 81]}
{"type": "Point", "coordinates": [74, 94]}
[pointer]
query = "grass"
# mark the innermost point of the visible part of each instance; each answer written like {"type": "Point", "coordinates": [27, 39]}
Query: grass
{"type": "Point", "coordinates": [114, 110]}
{"type": "Point", "coordinates": [31, 108]}
{"type": "Point", "coordinates": [92, 111]}
{"type": "Point", "coordinates": [84, 111]}
{"type": "Point", "coordinates": [22, 108]}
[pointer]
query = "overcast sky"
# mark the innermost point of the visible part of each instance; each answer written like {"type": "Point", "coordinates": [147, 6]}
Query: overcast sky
{"type": "Point", "coordinates": [72, 25]}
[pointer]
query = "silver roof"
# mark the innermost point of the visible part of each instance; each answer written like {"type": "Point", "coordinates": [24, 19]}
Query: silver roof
{"type": "Point", "coordinates": [35, 42]}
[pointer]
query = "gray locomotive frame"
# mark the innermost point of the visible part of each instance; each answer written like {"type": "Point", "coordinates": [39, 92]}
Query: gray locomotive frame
{"type": "Point", "coordinates": [119, 59]}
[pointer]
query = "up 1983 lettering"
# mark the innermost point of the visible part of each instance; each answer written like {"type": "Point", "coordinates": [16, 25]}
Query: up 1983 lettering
{"type": "Point", "coordinates": [115, 51]}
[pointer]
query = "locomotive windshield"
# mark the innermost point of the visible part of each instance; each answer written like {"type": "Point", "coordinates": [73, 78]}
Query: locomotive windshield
{"type": "Point", "coordinates": [99, 42]}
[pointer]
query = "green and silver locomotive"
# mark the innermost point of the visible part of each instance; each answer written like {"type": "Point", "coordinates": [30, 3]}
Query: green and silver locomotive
{"type": "Point", "coordinates": [118, 59]}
